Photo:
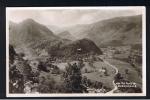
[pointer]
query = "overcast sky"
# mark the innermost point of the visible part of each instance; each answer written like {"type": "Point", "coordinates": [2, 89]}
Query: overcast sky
{"type": "Point", "coordinates": [67, 17]}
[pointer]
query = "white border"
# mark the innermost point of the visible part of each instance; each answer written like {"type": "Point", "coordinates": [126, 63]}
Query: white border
{"type": "Point", "coordinates": [143, 8]}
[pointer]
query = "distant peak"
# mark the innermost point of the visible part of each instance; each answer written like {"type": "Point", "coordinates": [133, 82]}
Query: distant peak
{"type": "Point", "coordinates": [29, 20]}
{"type": "Point", "coordinates": [11, 23]}
{"type": "Point", "coordinates": [85, 39]}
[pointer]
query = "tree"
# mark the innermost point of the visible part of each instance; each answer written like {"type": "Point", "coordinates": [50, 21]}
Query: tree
{"type": "Point", "coordinates": [81, 64]}
{"type": "Point", "coordinates": [89, 82]}
{"type": "Point", "coordinates": [72, 79]}
{"type": "Point", "coordinates": [42, 67]}
{"type": "Point", "coordinates": [12, 54]}
{"type": "Point", "coordinates": [26, 69]}
{"type": "Point", "coordinates": [15, 80]}
{"type": "Point", "coordinates": [118, 77]}
{"type": "Point", "coordinates": [21, 55]}
{"type": "Point", "coordinates": [84, 81]}
{"type": "Point", "coordinates": [55, 70]}
{"type": "Point", "coordinates": [106, 72]}
{"type": "Point", "coordinates": [86, 71]}
{"type": "Point", "coordinates": [16, 83]}
{"type": "Point", "coordinates": [43, 87]}
{"type": "Point", "coordinates": [126, 71]}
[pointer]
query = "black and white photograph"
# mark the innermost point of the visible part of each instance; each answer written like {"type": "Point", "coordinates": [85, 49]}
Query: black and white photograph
{"type": "Point", "coordinates": [75, 51]}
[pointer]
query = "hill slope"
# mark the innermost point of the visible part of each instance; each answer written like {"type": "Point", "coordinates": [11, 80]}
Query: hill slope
{"type": "Point", "coordinates": [28, 32]}
{"type": "Point", "coordinates": [82, 46]}
{"type": "Point", "coordinates": [68, 48]}
{"type": "Point", "coordinates": [33, 38]}
{"type": "Point", "coordinates": [66, 35]}
{"type": "Point", "coordinates": [115, 31]}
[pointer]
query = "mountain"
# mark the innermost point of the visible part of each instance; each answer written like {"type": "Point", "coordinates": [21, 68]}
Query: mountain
{"type": "Point", "coordinates": [66, 35]}
{"type": "Point", "coordinates": [55, 29]}
{"type": "Point", "coordinates": [125, 30]}
{"type": "Point", "coordinates": [28, 34]}
{"type": "Point", "coordinates": [29, 31]}
{"type": "Point", "coordinates": [33, 39]}
{"type": "Point", "coordinates": [79, 30]}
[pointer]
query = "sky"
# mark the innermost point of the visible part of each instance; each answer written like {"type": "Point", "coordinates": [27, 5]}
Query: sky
{"type": "Point", "coordinates": [63, 17]}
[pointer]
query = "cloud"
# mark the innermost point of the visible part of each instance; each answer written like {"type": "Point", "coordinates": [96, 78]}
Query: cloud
{"type": "Point", "coordinates": [67, 17]}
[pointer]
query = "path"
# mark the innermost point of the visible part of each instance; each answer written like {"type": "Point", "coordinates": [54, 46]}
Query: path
{"type": "Point", "coordinates": [116, 72]}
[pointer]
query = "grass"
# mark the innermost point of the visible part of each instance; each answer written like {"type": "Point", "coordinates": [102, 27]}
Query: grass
{"type": "Point", "coordinates": [63, 65]}
{"type": "Point", "coordinates": [100, 64]}
{"type": "Point", "coordinates": [93, 72]}
{"type": "Point", "coordinates": [122, 66]}
{"type": "Point", "coordinates": [57, 77]}
{"type": "Point", "coordinates": [95, 75]}
{"type": "Point", "coordinates": [88, 67]}
{"type": "Point", "coordinates": [121, 56]}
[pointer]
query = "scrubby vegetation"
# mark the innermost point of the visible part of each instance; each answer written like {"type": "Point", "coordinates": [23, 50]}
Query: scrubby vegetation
{"type": "Point", "coordinates": [42, 76]}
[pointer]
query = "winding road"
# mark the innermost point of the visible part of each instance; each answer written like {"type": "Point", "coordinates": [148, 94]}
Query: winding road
{"type": "Point", "coordinates": [116, 72]}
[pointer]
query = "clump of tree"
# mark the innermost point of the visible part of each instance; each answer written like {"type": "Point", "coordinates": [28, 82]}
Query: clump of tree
{"type": "Point", "coordinates": [126, 71]}
{"type": "Point", "coordinates": [72, 79]}
{"type": "Point", "coordinates": [55, 70]}
{"type": "Point", "coordinates": [88, 83]}
{"type": "Point", "coordinates": [15, 76]}
{"type": "Point", "coordinates": [16, 83]}
{"type": "Point", "coordinates": [12, 54]}
{"type": "Point", "coordinates": [42, 67]}
{"type": "Point", "coordinates": [118, 77]}
{"type": "Point", "coordinates": [43, 87]}
{"type": "Point", "coordinates": [81, 64]}
{"type": "Point", "coordinates": [20, 72]}
{"type": "Point", "coordinates": [47, 66]}
{"type": "Point", "coordinates": [48, 84]}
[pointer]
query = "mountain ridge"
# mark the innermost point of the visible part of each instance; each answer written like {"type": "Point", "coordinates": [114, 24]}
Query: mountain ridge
{"type": "Point", "coordinates": [35, 37]}
{"type": "Point", "coordinates": [115, 31]}
{"type": "Point", "coordinates": [66, 35]}
{"type": "Point", "coordinates": [29, 31]}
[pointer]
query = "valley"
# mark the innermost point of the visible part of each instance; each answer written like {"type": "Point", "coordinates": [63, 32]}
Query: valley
{"type": "Point", "coordinates": [92, 58]}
